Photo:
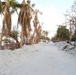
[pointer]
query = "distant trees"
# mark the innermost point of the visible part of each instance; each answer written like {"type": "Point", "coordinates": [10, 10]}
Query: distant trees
{"type": "Point", "coordinates": [45, 33]}
{"type": "Point", "coordinates": [44, 36]}
{"type": "Point", "coordinates": [71, 21]}
{"type": "Point", "coordinates": [62, 33]}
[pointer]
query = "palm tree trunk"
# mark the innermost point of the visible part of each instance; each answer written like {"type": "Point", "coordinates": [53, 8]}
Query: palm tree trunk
{"type": "Point", "coordinates": [21, 42]}
{"type": "Point", "coordinates": [75, 36]}
{"type": "Point", "coordinates": [70, 32]}
{"type": "Point", "coordinates": [0, 40]}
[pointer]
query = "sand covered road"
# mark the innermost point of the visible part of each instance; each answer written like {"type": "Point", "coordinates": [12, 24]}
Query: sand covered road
{"type": "Point", "coordinates": [47, 60]}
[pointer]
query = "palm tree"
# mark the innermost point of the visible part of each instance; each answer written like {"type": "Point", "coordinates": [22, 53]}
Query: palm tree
{"type": "Point", "coordinates": [0, 40]}
{"type": "Point", "coordinates": [39, 31]}
{"type": "Point", "coordinates": [7, 8]}
{"type": "Point", "coordinates": [0, 33]}
{"type": "Point", "coordinates": [7, 16]}
{"type": "Point", "coordinates": [24, 20]}
{"type": "Point", "coordinates": [37, 28]}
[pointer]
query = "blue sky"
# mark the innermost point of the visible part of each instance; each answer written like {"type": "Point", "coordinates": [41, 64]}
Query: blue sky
{"type": "Point", "coordinates": [52, 10]}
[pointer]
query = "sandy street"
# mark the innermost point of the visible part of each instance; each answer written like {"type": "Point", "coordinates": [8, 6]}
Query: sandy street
{"type": "Point", "coordinates": [47, 61]}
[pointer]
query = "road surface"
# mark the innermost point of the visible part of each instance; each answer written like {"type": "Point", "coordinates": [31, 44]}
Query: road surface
{"type": "Point", "coordinates": [48, 61]}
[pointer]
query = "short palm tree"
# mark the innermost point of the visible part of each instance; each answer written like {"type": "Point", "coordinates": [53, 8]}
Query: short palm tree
{"type": "Point", "coordinates": [37, 28]}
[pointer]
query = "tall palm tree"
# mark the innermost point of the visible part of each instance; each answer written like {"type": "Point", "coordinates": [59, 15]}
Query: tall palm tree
{"type": "Point", "coordinates": [24, 19]}
{"type": "Point", "coordinates": [0, 33]}
{"type": "Point", "coordinates": [7, 8]}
